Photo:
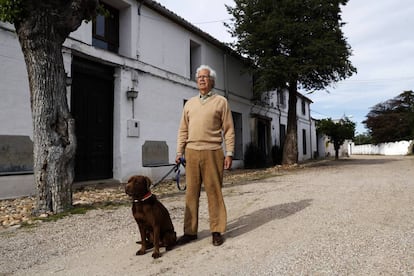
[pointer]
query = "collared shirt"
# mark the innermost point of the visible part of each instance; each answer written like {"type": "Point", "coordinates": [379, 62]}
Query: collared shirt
{"type": "Point", "coordinates": [203, 98]}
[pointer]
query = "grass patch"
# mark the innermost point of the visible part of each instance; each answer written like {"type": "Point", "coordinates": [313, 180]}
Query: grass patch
{"type": "Point", "coordinates": [83, 209]}
{"type": "Point", "coordinates": [77, 210]}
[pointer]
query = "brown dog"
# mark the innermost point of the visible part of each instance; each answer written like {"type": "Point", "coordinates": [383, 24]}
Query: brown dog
{"type": "Point", "coordinates": [153, 219]}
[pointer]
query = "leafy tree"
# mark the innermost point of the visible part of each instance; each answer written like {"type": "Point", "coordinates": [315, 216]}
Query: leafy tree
{"type": "Point", "coordinates": [364, 138]}
{"type": "Point", "coordinates": [337, 132]}
{"type": "Point", "coordinates": [293, 44]}
{"type": "Point", "coordinates": [392, 120]}
{"type": "Point", "coordinates": [42, 27]}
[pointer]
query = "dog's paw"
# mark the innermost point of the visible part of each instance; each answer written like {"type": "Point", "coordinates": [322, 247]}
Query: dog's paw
{"type": "Point", "coordinates": [148, 244]}
{"type": "Point", "coordinates": [156, 255]}
{"type": "Point", "coordinates": [140, 252]}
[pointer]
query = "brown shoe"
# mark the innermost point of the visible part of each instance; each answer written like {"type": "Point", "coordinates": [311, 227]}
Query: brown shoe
{"type": "Point", "coordinates": [217, 239]}
{"type": "Point", "coordinates": [186, 239]}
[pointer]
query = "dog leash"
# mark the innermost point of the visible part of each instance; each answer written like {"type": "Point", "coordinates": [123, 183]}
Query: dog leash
{"type": "Point", "coordinates": [176, 169]}
{"type": "Point", "coordinates": [177, 178]}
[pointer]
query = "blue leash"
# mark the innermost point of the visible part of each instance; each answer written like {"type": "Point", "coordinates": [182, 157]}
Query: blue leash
{"type": "Point", "coordinates": [176, 169]}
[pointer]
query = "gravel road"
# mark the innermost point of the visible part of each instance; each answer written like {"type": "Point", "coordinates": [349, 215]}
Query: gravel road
{"type": "Point", "coordinates": [349, 217]}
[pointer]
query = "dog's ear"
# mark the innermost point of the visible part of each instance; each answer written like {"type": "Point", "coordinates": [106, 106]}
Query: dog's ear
{"type": "Point", "coordinates": [148, 181]}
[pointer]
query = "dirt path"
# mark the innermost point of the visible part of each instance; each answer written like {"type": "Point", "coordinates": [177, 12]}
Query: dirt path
{"type": "Point", "coordinates": [348, 217]}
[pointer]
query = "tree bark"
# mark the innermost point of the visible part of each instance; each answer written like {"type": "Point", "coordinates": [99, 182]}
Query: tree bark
{"type": "Point", "coordinates": [53, 127]}
{"type": "Point", "coordinates": [290, 148]}
{"type": "Point", "coordinates": [41, 31]}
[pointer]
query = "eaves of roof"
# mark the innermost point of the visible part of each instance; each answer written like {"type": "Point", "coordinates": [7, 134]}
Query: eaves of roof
{"type": "Point", "coordinates": [190, 27]}
{"type": "Point", "coordinates": [304, 97]}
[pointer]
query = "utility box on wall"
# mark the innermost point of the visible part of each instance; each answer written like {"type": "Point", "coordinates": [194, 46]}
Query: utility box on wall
{"type": "Point", "coordinates": [133, 128]}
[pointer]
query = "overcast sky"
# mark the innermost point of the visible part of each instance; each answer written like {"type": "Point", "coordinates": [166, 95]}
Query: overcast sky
{"type": "Point", "coordinates": [380, 33]}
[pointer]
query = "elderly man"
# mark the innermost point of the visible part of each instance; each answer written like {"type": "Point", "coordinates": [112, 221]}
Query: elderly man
{"type": "Point", "coordinates": [205, 121]}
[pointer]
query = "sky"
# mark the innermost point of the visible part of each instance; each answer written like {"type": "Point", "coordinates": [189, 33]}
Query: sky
{"type": "Point", "coordinates": [380, 34]}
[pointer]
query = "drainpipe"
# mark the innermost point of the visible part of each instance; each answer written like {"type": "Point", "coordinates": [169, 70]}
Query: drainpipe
{"type": "Point", "coordinates": [310, 132]}
{"type": "Point", "coordinates": [138, 52]}
{"type": "Point", "coordinates": [139, 6]}
{"type": "Point", "coordinates": [310, 136]}
{"type": "Point", "coordinates": [226, 88]}
{"type": "Point", "coordinates": [280, 118]}
{"type": "Point", "coordinates": [278, 127]}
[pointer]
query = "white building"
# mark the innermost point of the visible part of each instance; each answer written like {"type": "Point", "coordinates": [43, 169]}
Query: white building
{"type": "Point", "coordinates": [143, 47]}
{"type": "Point", "coordinates": [272, 112]}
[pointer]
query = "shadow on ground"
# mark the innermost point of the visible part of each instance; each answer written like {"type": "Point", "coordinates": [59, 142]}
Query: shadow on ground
{"type": "Point", "coordinates": [260, 217]}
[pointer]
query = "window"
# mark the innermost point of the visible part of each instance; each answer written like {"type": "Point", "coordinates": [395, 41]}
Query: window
{"type": "Point", "coordinates": [282, 133]}
{"type": "Point", "coordinates": [282, 98]}
{"type": "Point", "coordinates": [105, 29]}
{"type": "Point", "coordinates": [304, 141]}
{"type": "Point", "coordinates": [263, 135]}
{"type": "Point", "coordinates": [195, 58]}
{"type": "Point", "coordinates": [303, 107]}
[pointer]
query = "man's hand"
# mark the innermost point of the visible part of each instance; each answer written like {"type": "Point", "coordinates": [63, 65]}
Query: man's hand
{"type": "Point", "coordinates": [227, 162]}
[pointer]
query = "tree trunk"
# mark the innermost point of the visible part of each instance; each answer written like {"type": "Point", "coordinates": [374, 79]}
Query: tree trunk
{"type": "Point", "coordinates": [337, 146]}
{"type": "Point", "coordinates": [53, 127]}
{"type": "Point", "coordinates": [336, 154]}
{"type": "Point", "coordinates": [290, 148]}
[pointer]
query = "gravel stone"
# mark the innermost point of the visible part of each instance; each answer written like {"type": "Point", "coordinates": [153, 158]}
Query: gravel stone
{"type": "Point", "coordinates": [354, 216]}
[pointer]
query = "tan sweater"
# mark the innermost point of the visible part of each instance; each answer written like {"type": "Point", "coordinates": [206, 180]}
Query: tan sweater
{"type": "Point", "coordinates": [204, 124]}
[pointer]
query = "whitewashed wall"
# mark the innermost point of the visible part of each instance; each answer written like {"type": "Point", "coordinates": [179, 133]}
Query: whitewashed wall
{"type": "Point", "coordinates": [394, 148]}
{"type": "Point", "coordinates": [326, 148]}
{"type": "Point", "coordinates": [154, 58]}
{"type": "Point", "coordinates": [153, 49]}
{"type": "Point", "coordinates": [15, 112]}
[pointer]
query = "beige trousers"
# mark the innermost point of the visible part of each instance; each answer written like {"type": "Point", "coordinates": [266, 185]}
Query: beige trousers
{"type": "Point", "coordinates": [204, 167]}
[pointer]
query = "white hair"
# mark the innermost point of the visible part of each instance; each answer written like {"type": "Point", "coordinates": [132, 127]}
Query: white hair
{"type": "Point", "coordinates": [213, 74]}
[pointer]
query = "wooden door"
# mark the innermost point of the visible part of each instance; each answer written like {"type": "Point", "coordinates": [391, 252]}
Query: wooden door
{"type": "Point", "coordinates": [92, 101]}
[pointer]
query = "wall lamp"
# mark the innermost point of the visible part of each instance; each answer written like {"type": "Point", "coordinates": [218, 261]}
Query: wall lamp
{"type": "Point", "coordinates": [68, 80]}
{"type": "Point", "coordinates": [132, 94]}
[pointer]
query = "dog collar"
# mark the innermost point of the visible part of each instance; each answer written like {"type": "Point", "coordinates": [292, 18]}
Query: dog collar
{"type": "Point", "coordinates": [148, 195]}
